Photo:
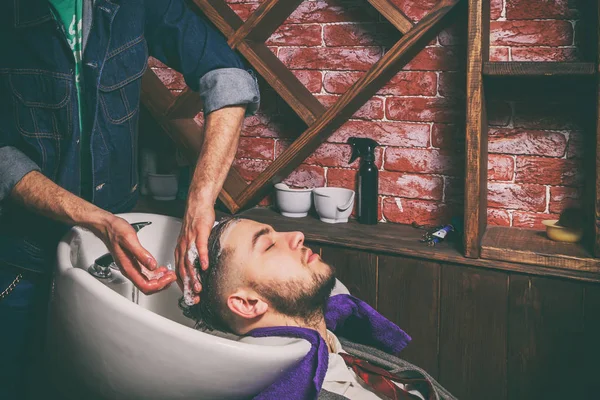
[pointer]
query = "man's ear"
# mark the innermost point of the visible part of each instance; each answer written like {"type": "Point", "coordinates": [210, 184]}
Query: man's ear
{"type": "Point", "coordinates": [246, 304]}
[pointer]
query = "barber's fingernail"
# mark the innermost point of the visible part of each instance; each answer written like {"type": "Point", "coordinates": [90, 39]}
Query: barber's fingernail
{"type": "Point", "coordinates": [197, 287]}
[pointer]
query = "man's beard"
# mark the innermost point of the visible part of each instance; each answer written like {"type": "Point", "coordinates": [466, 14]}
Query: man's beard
{"type": "Point", "coordinates": [297, 299]}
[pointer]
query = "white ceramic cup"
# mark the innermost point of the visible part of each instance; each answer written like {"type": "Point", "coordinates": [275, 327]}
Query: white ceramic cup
{"type": "Point", "coordinates": [333, 204]}
{"type": "Point", "coordinates": [148, 164]}
{"type": "Point", "coordinates": [162, 186]}
{"type": "Point", "coordinates": [294, 203]}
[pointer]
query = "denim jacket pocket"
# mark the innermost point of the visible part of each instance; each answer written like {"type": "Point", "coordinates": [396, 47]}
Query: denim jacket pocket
{"type": "Point", "coordinates": [42, 103]}
{"type": "Point", "coordinates": [121, 84]}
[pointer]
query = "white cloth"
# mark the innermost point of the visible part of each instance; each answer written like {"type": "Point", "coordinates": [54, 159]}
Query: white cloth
{"type": "Point", "coordinates": [339, 288]}
{"type": "Point", "coordinates": [340, 379]}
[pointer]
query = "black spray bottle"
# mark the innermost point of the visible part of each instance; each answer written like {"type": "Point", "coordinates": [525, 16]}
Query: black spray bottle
{"type": "Point", "coordinates": [368, 177]}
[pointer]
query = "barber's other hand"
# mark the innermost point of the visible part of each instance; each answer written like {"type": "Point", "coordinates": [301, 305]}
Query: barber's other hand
{"type": "Point", "coordinates": [135, 262]}
{"type": "Point", "coordinates": [197, 224]}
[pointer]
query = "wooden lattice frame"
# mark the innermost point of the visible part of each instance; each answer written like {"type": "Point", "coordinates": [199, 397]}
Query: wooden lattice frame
{"type": "Point", "coordinates": [175, 113]}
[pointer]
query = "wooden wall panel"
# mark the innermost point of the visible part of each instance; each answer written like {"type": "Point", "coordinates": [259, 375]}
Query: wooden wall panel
{"type": "Point", "coordinates": [597, 158]}
{"type": "Point", "coordinates": [473, 333]}
{"type": "Point", "coordinates": [356, 269]}
{"type": "Point", "coordinates": [545, 339]}
{"type": "Point", "coordinates": [484, 334]}
{"type": "Point", "coordinates": [408, 295]}
{"type": "Point", "coordinates": [315, 247]}
{"type": "Point", "coordinates": [591, 342]}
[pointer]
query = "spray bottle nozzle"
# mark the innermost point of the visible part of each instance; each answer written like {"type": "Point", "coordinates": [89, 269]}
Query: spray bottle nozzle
{"type": "Point", "coordinates": [362, 147]}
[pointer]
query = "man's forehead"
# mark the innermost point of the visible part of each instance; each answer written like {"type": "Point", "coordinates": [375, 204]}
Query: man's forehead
{"type": "Point", "coordinates": [241, 233]}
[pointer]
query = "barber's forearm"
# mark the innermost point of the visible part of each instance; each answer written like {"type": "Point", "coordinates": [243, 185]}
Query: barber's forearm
{"type": "Point", "coordinates": [221, 137]}
{"type": "Point", "coordinates": [40, 194]}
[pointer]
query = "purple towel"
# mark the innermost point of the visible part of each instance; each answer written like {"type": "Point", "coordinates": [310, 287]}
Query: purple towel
{"type": "Point", "coordinates": [345, 316]}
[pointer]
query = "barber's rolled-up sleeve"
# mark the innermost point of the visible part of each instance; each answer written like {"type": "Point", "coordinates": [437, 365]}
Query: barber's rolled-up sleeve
{"type": "Point", "coordinates": [188, 43]}
{"type": "Point", "coordinates": [228, 87]}
{"type": "Point", "coordinates": [14, 165]}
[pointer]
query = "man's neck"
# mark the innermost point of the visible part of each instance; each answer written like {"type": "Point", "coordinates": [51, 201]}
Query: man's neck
{"type": "Point", "coordinates": [317, 322]}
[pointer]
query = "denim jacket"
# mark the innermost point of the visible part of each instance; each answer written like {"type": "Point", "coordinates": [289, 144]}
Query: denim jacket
{"type": "Point", "coordinates": [39, 119]}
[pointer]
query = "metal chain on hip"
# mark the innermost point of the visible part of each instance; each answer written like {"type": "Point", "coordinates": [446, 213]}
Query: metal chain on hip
{"type": "Point", "coordinates": [11, 287]}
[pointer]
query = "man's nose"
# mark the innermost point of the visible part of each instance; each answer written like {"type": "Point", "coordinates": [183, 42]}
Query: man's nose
{"type": "Point", "coordinates": [296, 239]}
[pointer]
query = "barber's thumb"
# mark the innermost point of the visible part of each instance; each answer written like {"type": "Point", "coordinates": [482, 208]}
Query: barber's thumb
{"type": "Point", "coordinates": [142, 255]}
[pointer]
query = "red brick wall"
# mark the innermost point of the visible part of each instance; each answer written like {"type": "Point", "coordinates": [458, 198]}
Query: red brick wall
{"type": "Point", "coordinates": [418, 118]}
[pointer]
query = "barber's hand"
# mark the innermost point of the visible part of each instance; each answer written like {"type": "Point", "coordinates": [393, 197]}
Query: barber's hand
{"type": "Point", "coordinates": [197, 224]}
{"type": "Point", "coordinates": [135, 262]}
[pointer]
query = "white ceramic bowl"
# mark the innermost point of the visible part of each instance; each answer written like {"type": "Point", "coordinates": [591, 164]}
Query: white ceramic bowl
{"type": "Point", "coordinates": [162, 186]}
{"type": "Point", "coordinates": [294, 203]}
{"type": "Point", "coordinates": [333, 204]}
{"type": "Point", "coordinates": [560, 233]}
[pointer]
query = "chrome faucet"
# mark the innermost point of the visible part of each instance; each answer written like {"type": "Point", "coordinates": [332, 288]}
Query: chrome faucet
{"type": "Point", "coordinates": [102, 265]}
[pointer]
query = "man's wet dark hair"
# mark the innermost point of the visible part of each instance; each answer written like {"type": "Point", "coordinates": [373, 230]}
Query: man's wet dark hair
{"type": "Point", "coordinates": [209, 311]}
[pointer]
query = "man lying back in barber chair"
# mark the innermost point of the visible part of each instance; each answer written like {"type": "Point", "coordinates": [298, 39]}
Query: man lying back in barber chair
{"type": "Point", "coordinates": [266, 283]}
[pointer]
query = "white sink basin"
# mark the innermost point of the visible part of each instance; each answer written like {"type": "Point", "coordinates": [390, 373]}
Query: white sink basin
{"type": "Point", "coordinates": [108, 341]}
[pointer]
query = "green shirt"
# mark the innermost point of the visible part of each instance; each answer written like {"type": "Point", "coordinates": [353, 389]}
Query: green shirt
{"type": "Point", "coordinates": [69, 14]}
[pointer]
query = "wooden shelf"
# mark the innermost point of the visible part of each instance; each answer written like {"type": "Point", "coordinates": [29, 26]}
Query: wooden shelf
{"type": "Point", "coordinates": [396, 239]}
{"type": "Point", "coordinates": [541, 69]}
{"type": "Point", "coordinates": [533, 247]}
{"type": "Point", "coordinates": [513, 244]}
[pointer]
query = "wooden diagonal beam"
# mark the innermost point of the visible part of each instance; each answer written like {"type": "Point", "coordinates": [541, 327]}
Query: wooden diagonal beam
{"type": "Point", "coordinates": [187, 105]}
{"type": "Point", "coordinates": [264, 21]}
{"type": "Point", "coordinates": [285, 83]}
{"type": "Point", "coordinates": [402, 52]}
{"type": "Point", "coordinates": [393, 14]}
{"type": "Point", "coordinates": [221, 15]}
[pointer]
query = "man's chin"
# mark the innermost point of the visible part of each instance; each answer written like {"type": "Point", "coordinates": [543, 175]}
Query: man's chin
{"type": "Point", "coordinates": [321, 268]}
{"type": "Point", "coordinates": [327, 285]}
{"type": "Point", "coordinates": [301, 298]}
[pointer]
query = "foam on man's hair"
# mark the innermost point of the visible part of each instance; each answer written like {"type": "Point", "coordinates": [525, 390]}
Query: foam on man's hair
{"type": "Point", "coordinates": [230, 224]}
{"type": "Point", "coordinates": [207, 312]}
{"type": "Point", "coordinates": [193, 257]}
